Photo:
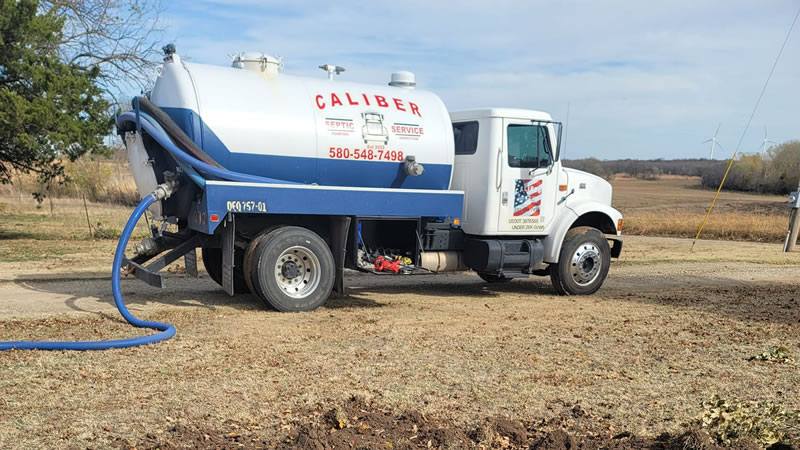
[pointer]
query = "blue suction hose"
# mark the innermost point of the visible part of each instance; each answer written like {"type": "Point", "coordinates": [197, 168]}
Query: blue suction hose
{"type": "Point", "coordinates": [166, 330]}
{"type": "Point", "coordinates": [191, 166]}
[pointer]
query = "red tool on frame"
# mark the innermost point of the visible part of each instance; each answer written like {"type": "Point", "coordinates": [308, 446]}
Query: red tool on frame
{"type": "Point", "coordinates": [387, 265]}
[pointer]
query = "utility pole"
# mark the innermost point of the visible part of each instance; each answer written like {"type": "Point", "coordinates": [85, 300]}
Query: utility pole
{"type": "Point", "coordinates": [794, 221]}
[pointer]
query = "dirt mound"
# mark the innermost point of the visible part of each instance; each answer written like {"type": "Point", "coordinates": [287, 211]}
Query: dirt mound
{"type": "Point", "coordinates": [198, 436]}
{"type": "Point", "coordinates": [357, 424]}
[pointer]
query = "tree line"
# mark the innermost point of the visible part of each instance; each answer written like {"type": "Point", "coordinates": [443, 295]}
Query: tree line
{"type": "Point", "coordinates": [645, 169]}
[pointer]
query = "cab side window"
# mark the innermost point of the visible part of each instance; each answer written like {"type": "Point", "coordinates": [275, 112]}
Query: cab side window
{"type": "Point", "coordinates": [528, 146]}
{"type": "Point", "coordinates": [465, 135]}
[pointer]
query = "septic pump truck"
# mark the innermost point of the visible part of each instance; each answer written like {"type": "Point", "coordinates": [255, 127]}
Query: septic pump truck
{"type": "Point", "coordinates": [281, 182]}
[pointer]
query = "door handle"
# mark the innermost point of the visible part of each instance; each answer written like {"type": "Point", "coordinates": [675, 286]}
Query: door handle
{"type": "Point", "coordinates": [499, 175]}
{"type": "Point", "coordinates": [564, 198]}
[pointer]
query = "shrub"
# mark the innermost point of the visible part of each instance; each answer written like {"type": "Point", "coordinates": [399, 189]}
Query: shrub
{"type": "Point", "coordinates": [765, 422]}
{"type": "Point", "coordinates": [100, 180]}
{"type": "Point", "coordinates": [775, 354]}
{"type": "Point", "coordinates": [101, 232]}
{"type": "Point", "coordinates": [777, 173]}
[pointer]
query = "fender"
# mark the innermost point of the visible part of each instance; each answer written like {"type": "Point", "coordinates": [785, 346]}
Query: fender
{"type": "Point", "coordinates": [565, 221]}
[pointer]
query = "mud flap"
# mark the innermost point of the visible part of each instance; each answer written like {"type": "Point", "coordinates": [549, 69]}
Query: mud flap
{"type": "Point", "coordinates": [340, 225]}
{"type": "Point", "coordinates": [228, 235]}
{"type": "Point", "coordinates": [616, 249]}
{"type": "Point", "coordinates": [190, 261]}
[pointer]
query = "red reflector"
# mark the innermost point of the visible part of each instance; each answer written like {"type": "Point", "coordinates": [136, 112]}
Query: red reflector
{"type": "Point", "coordinates": [214, 217]}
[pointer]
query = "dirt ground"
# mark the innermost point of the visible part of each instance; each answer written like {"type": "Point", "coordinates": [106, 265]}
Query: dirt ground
{"type": "Point", "coordinates": [446, 361]}
{"type": "Point", "coordinates": [425, 362]}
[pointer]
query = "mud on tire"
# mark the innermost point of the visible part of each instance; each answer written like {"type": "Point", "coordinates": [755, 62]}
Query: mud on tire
{"type": "Point", "coordinates": [583, 262]}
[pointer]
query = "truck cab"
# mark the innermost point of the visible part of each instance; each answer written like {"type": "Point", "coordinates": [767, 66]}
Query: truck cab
{"type": "Point", "coordinates": [519, 200]}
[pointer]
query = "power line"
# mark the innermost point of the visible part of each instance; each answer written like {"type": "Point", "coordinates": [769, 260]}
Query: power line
{"type": "Point", "coordinates": [746, 127]}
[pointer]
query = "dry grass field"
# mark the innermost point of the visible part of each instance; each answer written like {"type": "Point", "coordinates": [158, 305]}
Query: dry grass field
{"type": "Point", "coordinates": [676, 206]}
{"type": "Point", "coordinates": [441, 361]}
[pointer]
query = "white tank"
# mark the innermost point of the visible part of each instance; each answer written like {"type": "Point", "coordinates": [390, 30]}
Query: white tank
{"type": "Point", "coordinates": [254, 119]}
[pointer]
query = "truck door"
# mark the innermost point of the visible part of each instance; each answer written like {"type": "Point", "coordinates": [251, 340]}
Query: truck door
{"type": "Point", "coordinates": [528, 182]}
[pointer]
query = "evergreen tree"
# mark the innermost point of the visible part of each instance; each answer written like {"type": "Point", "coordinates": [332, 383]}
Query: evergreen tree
{"type": "Point", "coordinates": [49, 110]}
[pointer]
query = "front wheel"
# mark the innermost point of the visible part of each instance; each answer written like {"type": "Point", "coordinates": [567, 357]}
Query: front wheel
{"type": "Point", "coordinates": [583, 262]}
{"type": "Point", "coordinates": [292, 269]}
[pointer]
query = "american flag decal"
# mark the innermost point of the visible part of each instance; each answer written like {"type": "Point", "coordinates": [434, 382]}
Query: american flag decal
{"type": "Point", "coordinates": [527, 198]}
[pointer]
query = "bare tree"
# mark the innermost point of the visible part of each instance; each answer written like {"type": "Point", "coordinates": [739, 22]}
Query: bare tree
{"type": "Point", "coordinates": [121, 37]}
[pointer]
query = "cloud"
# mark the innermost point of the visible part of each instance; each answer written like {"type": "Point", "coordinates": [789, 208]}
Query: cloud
{"type": "Point", "coordinates": [643, 79]}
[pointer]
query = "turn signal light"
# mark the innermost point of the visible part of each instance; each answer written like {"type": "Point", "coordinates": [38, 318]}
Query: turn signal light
{"type": "Point", "coordinates": [562, 187]}
{"type": "Point", "coordinates": [456, 221]}
{"type": "Point", "coordinates": [619, 225]}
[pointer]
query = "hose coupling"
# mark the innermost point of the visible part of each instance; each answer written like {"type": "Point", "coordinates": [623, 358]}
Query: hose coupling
{"type": "Point", "coordinates": [147, 247]}
{"type": "Point", "coordinates": [168, 187]}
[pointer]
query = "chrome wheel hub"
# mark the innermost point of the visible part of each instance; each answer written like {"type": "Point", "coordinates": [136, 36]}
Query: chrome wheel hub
{"type": "Point", "coordinates": [297, 272]}
{"type": "Point", "coordinates": [585, 264]}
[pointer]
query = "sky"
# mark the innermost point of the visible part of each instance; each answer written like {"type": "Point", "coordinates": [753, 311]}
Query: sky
{"type": "Point", "coordinates": [640, 79]}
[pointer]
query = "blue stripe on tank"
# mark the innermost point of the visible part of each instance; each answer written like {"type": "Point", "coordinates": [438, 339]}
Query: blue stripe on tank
{"type": "Point", "coordinates": [323, 171]}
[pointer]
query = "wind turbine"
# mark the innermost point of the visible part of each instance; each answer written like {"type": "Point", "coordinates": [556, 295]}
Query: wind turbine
{"type": "Point", "coordinates": [764, 143]}
{"type": "Point", "coordinates": [714, 142]}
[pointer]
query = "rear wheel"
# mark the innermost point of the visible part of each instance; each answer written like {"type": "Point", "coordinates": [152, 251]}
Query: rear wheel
{"type": "Point", "coordinates": [292, 269]}
{"type": "Point", "coordinates": [212, 260]}
{"type": "Point", "coordinates": [249, 257]}
{"type": "Point", "coordinates": [583, 262]}
{"type": "Point", "coordinates": [492, 278]}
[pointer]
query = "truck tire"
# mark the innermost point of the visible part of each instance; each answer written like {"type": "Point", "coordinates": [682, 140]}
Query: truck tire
{"type": "Point", "coordinates": [212, 261]}
{"type": "Point", "coordinates": [583, 262]}
{"type": "Point", "coordinates": [492, 278]}
{"type": "Point", "coordinates": [247, 266]}
{"type": "Point", "coordinates": [292, 269]}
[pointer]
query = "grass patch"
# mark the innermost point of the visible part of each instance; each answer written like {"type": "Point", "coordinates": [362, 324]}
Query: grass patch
{"type": "Point", "coordinates": [77, 253]}
{"type": "Point", "coordinates": [676, 206]}
{"type": "Point", "coordinates": [725, 226]}
{"type": "Point", "coordinates": [68, 225]}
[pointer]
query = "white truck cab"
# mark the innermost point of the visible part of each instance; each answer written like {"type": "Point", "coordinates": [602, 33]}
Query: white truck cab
{"type": "Point", "coordinates": [507, 163]}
